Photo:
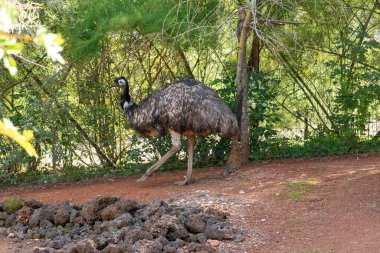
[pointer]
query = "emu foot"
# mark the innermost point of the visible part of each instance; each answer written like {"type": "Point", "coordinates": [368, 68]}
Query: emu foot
{"type": "Point", "coordinates": [183, 182]}
{"type": "Point", "coordinates": [143, 178]}
{"type": "Point", "coordinates": [229, 170]}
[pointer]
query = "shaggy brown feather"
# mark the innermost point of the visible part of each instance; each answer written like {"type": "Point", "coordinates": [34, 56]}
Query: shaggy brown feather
{"type": "Point", "coordinates": [187, 107]}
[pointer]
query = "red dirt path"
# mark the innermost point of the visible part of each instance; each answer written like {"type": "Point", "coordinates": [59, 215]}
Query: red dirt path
{"type": "Point", "coordinates": [341, 213]}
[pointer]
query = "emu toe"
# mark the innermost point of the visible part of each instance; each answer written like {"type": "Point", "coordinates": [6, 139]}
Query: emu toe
{"type": "Point", "coordinates": [229, 170]}
{"type": "Point", "coordinates": [143, 178]}
{"type": "Point", "coordinates": [183, 182]}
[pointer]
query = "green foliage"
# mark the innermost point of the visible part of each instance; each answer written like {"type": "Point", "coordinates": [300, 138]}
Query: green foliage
{"type": "Point", "coordinates": [358, 85]}
{"type": "Point", "coordinates": [179, 23]}
{"type": "Point", "coordinates": [264, 110]}
{"type": "Point", "coordinates": [12, 205]}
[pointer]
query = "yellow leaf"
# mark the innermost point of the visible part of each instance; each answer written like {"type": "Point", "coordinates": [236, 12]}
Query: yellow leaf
{"type": "Point", "coordinates": [9, 130]}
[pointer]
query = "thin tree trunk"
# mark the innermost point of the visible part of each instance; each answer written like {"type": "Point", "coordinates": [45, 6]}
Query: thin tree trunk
{"type": "Point", "coordinates": [186, 62]}
{"type": "Point", "coordinates": [242, 88]}
{"type": "Point", "coordinates": [254, 59]}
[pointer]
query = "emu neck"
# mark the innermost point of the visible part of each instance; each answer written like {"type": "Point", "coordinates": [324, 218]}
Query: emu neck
{"type": "Point", "coordinates": [125, 97]}
{"type": "Point", "coordinates": [126, 103]}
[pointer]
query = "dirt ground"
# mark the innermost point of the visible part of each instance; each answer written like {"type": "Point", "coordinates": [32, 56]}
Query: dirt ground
{"type": "Point", "coordinates": [319, 205]}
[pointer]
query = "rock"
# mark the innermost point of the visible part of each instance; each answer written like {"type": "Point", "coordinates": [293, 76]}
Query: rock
{"type": "Point", "coordinates": [105, 239]}
{"type": "Point", "coordinates": [178, 243]}
{"type": "Point", "coordinates": [85, 246]}
{"type": "Point", "coordinates": [34, 204]}
{"type": "Point", "coordinates": [169, 249]}
{"type": "Point", "coordinates": [192, 247]}
{"type": "Point", "coordinates": [123, 220]}
{"type": "Point", "coordinates": [41, 250]}
{"type": "Point", "coordinates": [213, 243]}
{"type": "Point", "coordinates": [133, 235]}
{"type": "Point", "coordinates": [1, 206]}
{"type": "Point", "coordinates": [195, 224]}
{"type": "Point", "coordinates": [20, 228]}
{"type": "Point", "coordinates": [219, 231]}
{"type": "Point", "coordinates": [39, 215]}
{"type": "Point", "coordinates": [108, 224]}
{"type": "Point", "coordinates": [10, 221]}
{"type": "Point", "coordinates": [239, 238]}
{"type": "Point", "coordinates": [198, 247]}
{"type": "Point", "coordinates": [3, 216]}
{"type": "Point", "coordinates": [52, 234]}
{"type": "Point", "coordinates": [167, 225]}
{"type": "Point", "coordinates": [62, 214]}
{"type": "Point", "coordinates": [91, 209]}
{"type": "Point", "coordinates": [57, 244]}
{"type": "Point", "coordinates": [201, 238]}
{"type": "Point", "coordinates": [147, 246]}
{"type": "Point", "coordinates": [23, 215]}
{"type": "Point", "coordinates": [162, 240]}
{"type": "Point", "coordinates": [160, 227]}
{"type": "Point", "coordinates": [3, 232]}
{"type": "Point", "coordinates": [151, 209]}
{"type": "Point", "coordinates": [46, 224]}
{"type": "Point", "coordinates": [121, 206]}
{"type": "Point", "coordinates": [177, 231]}
{"type": "Point", "coordinates": [112, 248]}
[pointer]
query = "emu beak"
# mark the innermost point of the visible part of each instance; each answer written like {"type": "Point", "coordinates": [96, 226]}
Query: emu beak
{"type": "Point", "coordinates": [115, 84]}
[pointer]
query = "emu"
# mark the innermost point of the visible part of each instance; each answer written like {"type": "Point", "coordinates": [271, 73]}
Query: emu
{"type": "Point", "coordinates": [186, 107]}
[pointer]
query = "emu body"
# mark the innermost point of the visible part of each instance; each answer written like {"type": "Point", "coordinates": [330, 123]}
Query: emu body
{"type": "Point", "coordinates": [185, 107]}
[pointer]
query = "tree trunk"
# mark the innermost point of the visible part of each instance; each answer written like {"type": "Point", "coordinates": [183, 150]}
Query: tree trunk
{"type": "Point", "coordinates": [242, 88]}
{"type": "Point", "coordinates": [186, 63]}
{"type": "Point", "coordinates": [254, 58]}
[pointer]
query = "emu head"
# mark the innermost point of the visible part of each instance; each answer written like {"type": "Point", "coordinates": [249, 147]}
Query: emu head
{"type": "Point", "coordinates": [120, 82]}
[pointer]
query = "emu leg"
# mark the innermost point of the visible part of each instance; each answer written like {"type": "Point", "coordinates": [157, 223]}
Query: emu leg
{"type": "Point", "coordinates": [176, 140]}
{"type": "Point", "coordinates": [190, 153]}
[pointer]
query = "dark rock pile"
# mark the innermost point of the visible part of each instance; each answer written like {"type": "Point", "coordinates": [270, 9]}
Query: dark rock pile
{"type": "Point", "coordinates": [109, 224]}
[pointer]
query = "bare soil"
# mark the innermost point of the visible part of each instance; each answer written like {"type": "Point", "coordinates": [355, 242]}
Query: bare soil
{"type": "Point", "coordinates": [319, 205]}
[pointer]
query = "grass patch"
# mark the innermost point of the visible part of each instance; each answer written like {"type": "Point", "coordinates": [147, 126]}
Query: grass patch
{"type": "Point", "coordinates": [297, 190]}
{"type": "Point", "coordinates": [12, 205]}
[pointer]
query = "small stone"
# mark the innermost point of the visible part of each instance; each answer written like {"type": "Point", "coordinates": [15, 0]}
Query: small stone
{"type": "Point", "coordinates": [112, 248]}
{"type": "Point", "coordinates": [11, 235]}
{"type": "Point", "coordinates": [192, 247]}
{"type": "Point", "coordinates": [202, 238]}
{"type": "Point", "coordinates": [241, 192]}
{"type": "Point", "coordinates": [239, 238]}
{"type": "Point", "coordinates": [213, 243]}
{"type": "Point", "coordinates": [263, 220]}
{"type": "Point", "coordinates": [169, 249]}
